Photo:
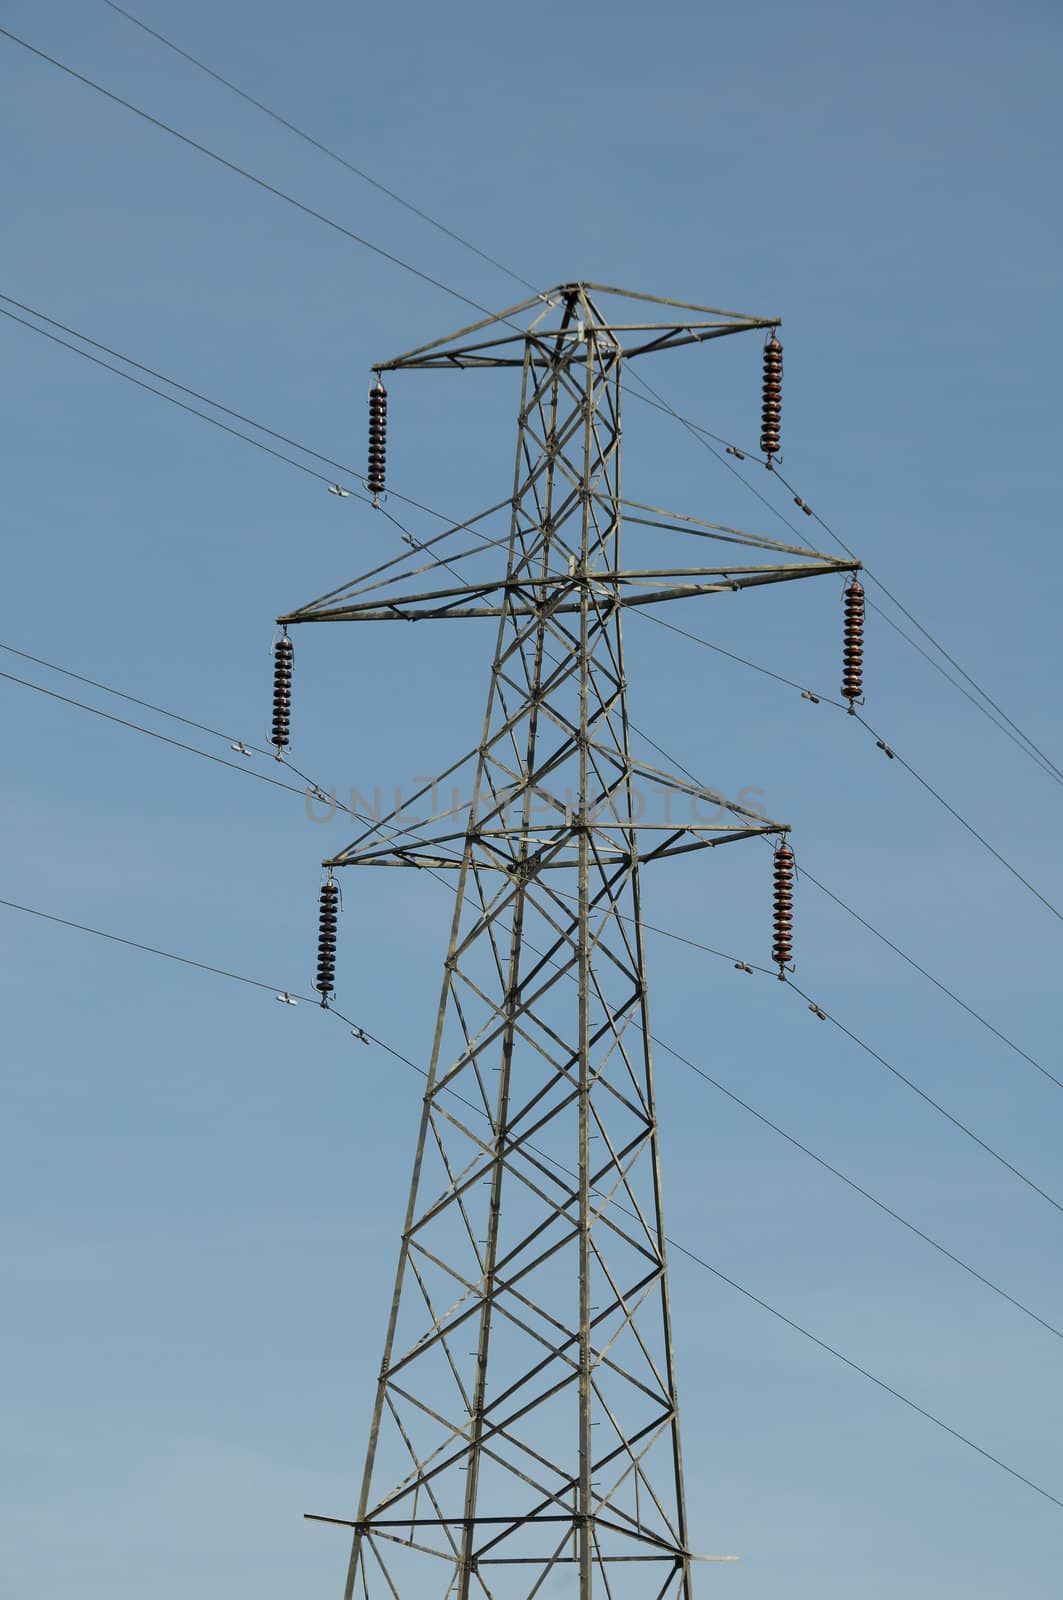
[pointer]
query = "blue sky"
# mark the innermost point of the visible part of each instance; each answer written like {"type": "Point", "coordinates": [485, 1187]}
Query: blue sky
{"type": "Point", "coordinates": [201, 1190]}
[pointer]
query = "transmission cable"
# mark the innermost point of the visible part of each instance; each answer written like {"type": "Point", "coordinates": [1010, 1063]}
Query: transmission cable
{"type": "Point", "coordinates": [239, 416]}
{"type": "Point", "coordinates": [1042, 766]}
{"type": "Point", "coordinates": [929, 976]}
{"type": "Point", "coordinates": [300, 133]}
{"type": "Point", "coordinates": [851, 1183]}
{"type": "Point", "coordinates": [424, 545]}
{"type": "Point", "coordinates": [674, 1244]}
{"type": "Point", "coordinates": [235, 432]}
{"type": "Point", "coordinates": [242, 172]}
{"type": "Point", "coordinates": [951, 809]}
{"type": "Point", "coordinates": [914, 1087]}
{"type": "Point", "coordinates": [755, 666]}
{"type": "Point", "coordinates": [888, 748]}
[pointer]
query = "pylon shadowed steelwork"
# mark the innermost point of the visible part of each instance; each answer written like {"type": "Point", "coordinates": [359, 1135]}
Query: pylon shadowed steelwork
{"type": "Point", "coordinates": [525, 1430]}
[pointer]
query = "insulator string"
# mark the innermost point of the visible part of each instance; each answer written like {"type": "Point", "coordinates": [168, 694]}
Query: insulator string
{"type": "Point", "coordinates": [771, 413]}
{"type": "Point", "coordinates": [378, 427]}
{"type": "Point", "coordinates": [283, 661]}
{"type": "Point", "coordinates": [328, 910]}
{"type": "Point", "coordinates": [853, 669]}
{"type": "Point", "coordinates": [782, 949]}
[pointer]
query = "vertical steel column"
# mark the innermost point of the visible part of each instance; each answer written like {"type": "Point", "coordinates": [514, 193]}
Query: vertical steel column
{"type": "Point", "coordinates": [585, 1503]}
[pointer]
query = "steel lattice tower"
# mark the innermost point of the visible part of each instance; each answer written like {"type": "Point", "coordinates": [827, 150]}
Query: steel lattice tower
{"type": "Point", "coordinates": [526, 1422]}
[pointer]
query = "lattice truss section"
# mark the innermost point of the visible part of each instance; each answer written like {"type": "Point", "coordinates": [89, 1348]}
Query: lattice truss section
{"type": "Point", "coordinates": [526, 1430]}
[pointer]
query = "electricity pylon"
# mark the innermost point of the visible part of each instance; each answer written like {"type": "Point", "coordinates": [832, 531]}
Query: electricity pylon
{"type": "Point", "coordinates": [526, 1422]}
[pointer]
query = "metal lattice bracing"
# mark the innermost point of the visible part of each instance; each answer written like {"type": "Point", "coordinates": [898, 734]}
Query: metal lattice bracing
{"type": "Point", "coordinates": [526, 1424]}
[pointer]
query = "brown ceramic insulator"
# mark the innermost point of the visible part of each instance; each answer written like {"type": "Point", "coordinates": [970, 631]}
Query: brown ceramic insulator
{"type": "Point", "coordinates": [772, 401]}
{"type": "Point", "coordinates": [853, 648]}
{"type": "Point", "coordinates": [378, 424]}
{"type": "Point", "coordinates": [283, 658]}
{"type": "Point", "coordinates": [326, 939]}
{"type": "Point", "coordinates": [782, 911]}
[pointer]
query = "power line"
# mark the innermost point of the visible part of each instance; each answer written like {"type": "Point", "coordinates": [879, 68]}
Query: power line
{"type": "Point", "coordinates": [424, 545]}
{"type": "Point", "coordinates": [864, 1373]}
{"type": "Point", "coordinates": [674, 1244]}
{"type": "Point", "coordinates": [851, 1183]}
{"type": "Point", "coordinates": [148, 705]}
{"type": "Point", "coordinates": [979, 705]}
{"type": "Point", "coordinates": [929, 976]}
{"type": "Point", "coordinates": [300, 133]}
{"type": "Point", "coordinates": [888, 747]}
{"type": "Point", "coordinates": [136, 944]}
{"type": "Point", "coordinates": [203, 415]}
{"type": "Point", "coordinates": [421, 544]}
{"type": "Point", "coordinates": [807, 876]}
{"type": "Point", "coordinates": [242, 172]}
{"type": "Point", "coordinates": [755, 666]}
{"type": "Point", "coordinates": [973, 831]}
{"type": "Point", "coordinates": [896, 1072]}
{"type": "Point", "coordinates": [195, 394]}
{"type": "Point", "coordinates": [151, 733]}
{"type": "Point", "coordinates": [914, 1087]}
